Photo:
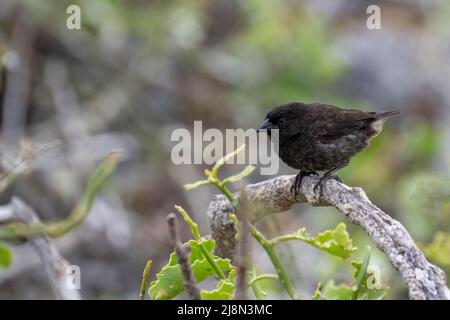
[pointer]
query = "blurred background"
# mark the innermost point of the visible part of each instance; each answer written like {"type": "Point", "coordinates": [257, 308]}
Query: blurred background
{"type": "Point", "coordinates": [139, 69]}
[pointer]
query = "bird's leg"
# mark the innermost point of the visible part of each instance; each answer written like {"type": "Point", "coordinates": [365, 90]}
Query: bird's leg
{"type": "Point", "coordinates": [298, 180]}
{"type": "Point", "coordinates": [327, 175]}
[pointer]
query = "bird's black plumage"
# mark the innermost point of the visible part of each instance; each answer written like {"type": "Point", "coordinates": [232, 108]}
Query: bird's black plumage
{"type": "Point", "coordinates": [320, 137]}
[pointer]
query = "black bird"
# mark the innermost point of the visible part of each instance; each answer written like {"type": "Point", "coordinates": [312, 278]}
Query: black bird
{"type": "Point", "coordinates": [321, 137]}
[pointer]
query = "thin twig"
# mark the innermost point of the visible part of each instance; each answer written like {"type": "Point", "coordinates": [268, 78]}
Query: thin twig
{"type": "Point", "coordinates": [241, 289]}
{"type": "Point", "coordinates": [183, 259]}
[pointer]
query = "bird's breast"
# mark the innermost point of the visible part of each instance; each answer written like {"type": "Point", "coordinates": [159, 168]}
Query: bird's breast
{"type": "Point", "coordinates": [313, 155]}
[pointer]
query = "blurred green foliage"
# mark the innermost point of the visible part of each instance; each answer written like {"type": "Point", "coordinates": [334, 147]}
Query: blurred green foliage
{"type": "Point", "coordinates": [282, 37]}
{"type": "Point", "coordinates": [5, 257]}
{"type": "Point", "coordinates": [432, 194]}
{"type": "Point", "coordinates": [438, 251]}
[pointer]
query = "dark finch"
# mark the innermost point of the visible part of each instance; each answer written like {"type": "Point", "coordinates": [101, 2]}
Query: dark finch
{"type": "Point", "coordinates": [320, 137]}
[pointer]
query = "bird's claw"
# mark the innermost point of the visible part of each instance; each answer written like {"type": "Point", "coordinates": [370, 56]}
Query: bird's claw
{"type": "Point", "coordinates": [295, 187]}
{"type": "Point", "coordinates": [321, 184]}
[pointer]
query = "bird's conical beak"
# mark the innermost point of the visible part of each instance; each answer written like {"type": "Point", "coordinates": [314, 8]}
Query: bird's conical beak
{"type": "Point", "coordinates": [265, 125]}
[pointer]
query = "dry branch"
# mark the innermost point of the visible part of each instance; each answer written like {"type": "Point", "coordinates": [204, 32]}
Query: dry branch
{"type": "Point", "coordinates": [183, 259]}
{"type": "Point", "coordinates": [55, 265]}
{"type": "Point", "coordinates": [241, 289]}
{"type": "Point", "coordinates": [424, 280]}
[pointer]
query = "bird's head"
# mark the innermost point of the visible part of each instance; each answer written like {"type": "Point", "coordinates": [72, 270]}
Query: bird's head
{"type": "Point", "coordinates": [282, 118]}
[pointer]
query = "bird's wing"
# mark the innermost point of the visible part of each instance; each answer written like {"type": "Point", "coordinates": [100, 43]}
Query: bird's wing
{"type": "Point", "coordinates": [334, 123]}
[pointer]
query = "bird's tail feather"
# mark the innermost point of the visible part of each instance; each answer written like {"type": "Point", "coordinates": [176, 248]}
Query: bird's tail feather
{"type": "Point", "coordinates": [384, 114]}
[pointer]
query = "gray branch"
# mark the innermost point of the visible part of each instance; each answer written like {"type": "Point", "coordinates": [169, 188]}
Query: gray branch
{"type": "Point", "coordinates": [183, 259]}
{"type": "Point", "coordinates": [424, 280]}
{"type": "Point", "coordinates": [55, 265]}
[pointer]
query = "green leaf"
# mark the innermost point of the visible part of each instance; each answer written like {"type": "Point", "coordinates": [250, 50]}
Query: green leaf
{"type": "Point", "coordinates": [224, 289]}
{"type": "Point", "coordinates": [367, 287]}
{"type": "Point", "coordinates": [5, 257]}
{"type": "Point", "coordinates": [241, 175]}
{"type": "Point", "coordinates": [169, 281]}
{"type": "Point", "coordinates": [336, 242]}
{"type": "Point", "coordinates": [318, 292]}
{"type": "Point", "coordinates": [332, 292]}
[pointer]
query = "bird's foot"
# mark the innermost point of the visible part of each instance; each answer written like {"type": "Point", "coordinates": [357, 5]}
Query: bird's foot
{"type": "Point", "coordinates": [298, 181]}
{"type": "Point", "coordinates": [320, 185]}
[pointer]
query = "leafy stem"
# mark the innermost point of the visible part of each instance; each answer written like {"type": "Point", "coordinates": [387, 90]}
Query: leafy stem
{"type": "Point", "coordinates": [145, 274]}
{"type": "Point", "coordinates": [222, 186]}
{"type": "Point", "coordinates": [270, 250]}
{"type": "Point", "coordinates": [362, 272]}
{"type": "Point", "coordinates": [96, 182]}
{"type": "Point", "coordinates": [286, 237]}
{"type": "Point", "coordinates": [263, 277]}
{"type": "Point", "coordinates": [266, 244]}
{"type": "Point", "coordinates": [194, 229]}
{"type": "Point", "coordinates": [256, 287]}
